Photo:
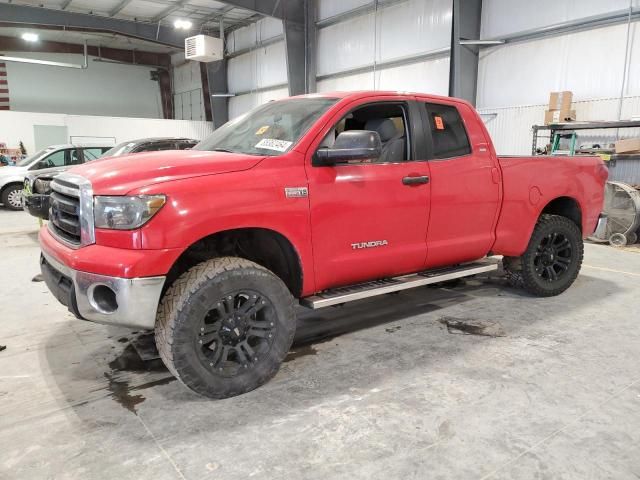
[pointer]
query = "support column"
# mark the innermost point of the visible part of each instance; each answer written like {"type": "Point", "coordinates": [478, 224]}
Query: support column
{"type": "Point", "coordinates": [300, 42]}
{"type": "Point", "coordinates": [463, 67]}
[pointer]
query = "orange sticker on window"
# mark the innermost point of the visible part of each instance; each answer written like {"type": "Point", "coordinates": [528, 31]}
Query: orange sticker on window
{"type": "Point", "coordinates": [439, 122]}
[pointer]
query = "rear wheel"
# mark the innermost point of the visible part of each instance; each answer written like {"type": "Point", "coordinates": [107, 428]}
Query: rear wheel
{"type": "Point", "coordinates": [552, 260]}
{"type": "Point", "coordinates": [225, 326]}
{"type": "Point", "coordinates": [12, 197]}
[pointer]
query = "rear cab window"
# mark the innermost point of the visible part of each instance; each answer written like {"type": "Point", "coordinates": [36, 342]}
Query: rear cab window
{"type": "Point", "coordinates": [448, 134]}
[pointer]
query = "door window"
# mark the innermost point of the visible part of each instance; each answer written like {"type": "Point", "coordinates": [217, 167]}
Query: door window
{"type": "Point", "coordinates": [388, 119]}
{"type": "Point", "coordinates": [59, 158]}
{"type": "Point", "coordinates": [93, 153]}
{"type": "Point", "coordinates": [447, 131]}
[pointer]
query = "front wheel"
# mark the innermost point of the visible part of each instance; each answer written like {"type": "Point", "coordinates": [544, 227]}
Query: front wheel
{"type": "Point", "coordinates": [224, 327]}
{"type": "Point", "coordinates": [552, 260]}
{"type": "Point", "coordinates": [12, 197]}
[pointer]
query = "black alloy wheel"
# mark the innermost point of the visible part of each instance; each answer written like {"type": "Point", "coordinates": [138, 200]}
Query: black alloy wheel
{"type": "Point", "coordinates": [236, 332]}
{"type": "Point", "coordinates": [552, 260]}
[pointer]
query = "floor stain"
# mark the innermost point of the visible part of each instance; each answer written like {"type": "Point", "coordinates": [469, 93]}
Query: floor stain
{"type": "Point", "coordinates": [466, 326]}
{"type": "Point", "coordinates": [121, 393]}
{"type": "Point", "coordinates": [301, 351]}
{"type": "Point", "coordinates": [120, 385]}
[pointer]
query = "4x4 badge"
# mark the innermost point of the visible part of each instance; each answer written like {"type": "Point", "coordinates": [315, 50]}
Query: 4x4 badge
{"type": "Point", "coordinates": [296, 192]}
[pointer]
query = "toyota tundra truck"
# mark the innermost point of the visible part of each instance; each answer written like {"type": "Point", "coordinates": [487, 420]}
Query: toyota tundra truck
{"type": "Point", "coordinates": [318, 200]}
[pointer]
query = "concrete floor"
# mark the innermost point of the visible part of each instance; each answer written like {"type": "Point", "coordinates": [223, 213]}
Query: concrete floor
{"type": "Point", "coordinates": [378, 389]}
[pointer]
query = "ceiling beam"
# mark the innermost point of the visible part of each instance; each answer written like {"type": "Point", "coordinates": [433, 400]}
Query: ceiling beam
{"type": "Point", "coordinates": [169, 10]}
{"type": "Point", "coordinates": [137, 57]}
{"type": "Point", "coordinates": [38, 16]}
{"type": "Point", "coordinates": [282, 9]}
{"type": "Point", "coordinates": [118, 8]}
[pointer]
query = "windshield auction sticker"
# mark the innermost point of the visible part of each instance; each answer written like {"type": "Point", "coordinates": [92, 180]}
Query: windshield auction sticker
{"type": "Point", "coordinates": [273, 144]}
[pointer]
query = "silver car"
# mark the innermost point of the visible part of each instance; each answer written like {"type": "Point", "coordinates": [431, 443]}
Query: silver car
{"type": "Point", "coordinates": [55, 157]}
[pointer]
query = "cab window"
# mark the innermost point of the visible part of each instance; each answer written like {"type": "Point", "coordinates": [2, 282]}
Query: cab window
{"type": "Point", "coordinates": [388, 119]}
{"type": "Point", "coordinates": [448, 134]}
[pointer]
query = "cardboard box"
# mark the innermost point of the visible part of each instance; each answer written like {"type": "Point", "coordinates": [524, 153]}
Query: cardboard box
{"type": "Point", "coordinates": [628, 145]}
{"type": "Point", "coordinates": [560, 100]}
{"type": "Point", "coordinates": [559, 116]}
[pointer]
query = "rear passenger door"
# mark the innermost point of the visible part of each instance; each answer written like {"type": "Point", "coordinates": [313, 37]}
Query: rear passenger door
{"type": "Point", "coordinates": [465, 185]}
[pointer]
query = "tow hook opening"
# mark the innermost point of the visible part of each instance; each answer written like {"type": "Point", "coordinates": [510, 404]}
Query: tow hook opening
{"type": "Point", "coordinates": [103, 298]}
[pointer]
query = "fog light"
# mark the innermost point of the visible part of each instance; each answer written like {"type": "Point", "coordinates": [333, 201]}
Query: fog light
{"type": "Point", "coordinates": [103, 299]}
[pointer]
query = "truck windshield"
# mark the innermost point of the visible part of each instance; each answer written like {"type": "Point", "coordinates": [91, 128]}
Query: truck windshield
{"type": "Point", "coordinates": [270, 129]}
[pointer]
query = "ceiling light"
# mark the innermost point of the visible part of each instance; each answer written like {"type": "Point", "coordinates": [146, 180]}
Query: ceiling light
{"type": "Point", "coordinates": [182, 24]}
{"type": "Point", "coordinates": [30, 37]}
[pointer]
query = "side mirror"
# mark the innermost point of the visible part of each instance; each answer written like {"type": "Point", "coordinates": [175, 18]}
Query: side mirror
{"type": "Point", "coordinates": [350, 145]}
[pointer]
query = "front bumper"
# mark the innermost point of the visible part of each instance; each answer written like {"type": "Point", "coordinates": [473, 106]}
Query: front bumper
{"type": "Point", "coordinates": [127, 302]}
{"type": "Point", "coordinates": [36, 204]}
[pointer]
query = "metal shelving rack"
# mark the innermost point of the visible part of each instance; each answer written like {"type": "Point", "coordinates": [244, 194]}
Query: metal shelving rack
{"type": "Point", "coordinates": [573, 126]}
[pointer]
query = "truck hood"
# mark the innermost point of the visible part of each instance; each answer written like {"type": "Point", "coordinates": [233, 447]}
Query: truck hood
{"type": "Point", "coordinates": [120, 175]}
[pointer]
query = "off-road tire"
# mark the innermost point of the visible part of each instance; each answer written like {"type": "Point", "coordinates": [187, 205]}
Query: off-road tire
{"type": "Point", "coordinates": [521, 271]}
{"type": "Point", "coordinates": [197, 292]}
{"type": "Point", "coordinates": [8, 193]}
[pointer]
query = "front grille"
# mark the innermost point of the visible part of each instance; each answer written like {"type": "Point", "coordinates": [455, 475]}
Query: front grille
{"type": "Point", "coordinates": [64, 216]}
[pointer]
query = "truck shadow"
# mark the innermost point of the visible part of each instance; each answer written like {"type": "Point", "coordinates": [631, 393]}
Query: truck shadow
{"type": "Point", "coordinates": [326, 361]}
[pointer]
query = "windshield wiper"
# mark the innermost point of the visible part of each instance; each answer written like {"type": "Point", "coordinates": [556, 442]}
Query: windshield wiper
{"type": "Point", "coordinates": [221, 150]}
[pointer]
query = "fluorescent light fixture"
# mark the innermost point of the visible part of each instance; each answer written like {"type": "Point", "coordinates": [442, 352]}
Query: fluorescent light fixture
{"type": "Point", "coordinates": [30, 37]}
{"type": "Point", "coordinates": [182, 24]}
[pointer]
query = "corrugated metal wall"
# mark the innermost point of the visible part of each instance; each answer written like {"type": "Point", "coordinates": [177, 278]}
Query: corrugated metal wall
{"type": "Point", "coordinates": [258, 75]}
{"type": "Point", "coordinates": [514, 79]}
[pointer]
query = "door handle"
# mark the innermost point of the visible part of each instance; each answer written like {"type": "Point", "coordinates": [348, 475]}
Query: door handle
{"type": "Point", "coordinates": [415, 180]}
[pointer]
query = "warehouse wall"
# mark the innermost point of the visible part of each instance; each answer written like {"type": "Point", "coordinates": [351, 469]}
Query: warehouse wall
{"type": "Point", "coordinates": [397, 32]}
{"type": "Point", "coordinates": [260, 74]}
{"type": "Point", "coordinates": [101, 89]}
{"type": "Point", "coordinates": [423, 26]}
{"type": "Point", "coordinates": [187, 89]}
{"type": "Point", "coordinates": [18, 126]}
{"type": "Point", "coordinates": [514, 80]}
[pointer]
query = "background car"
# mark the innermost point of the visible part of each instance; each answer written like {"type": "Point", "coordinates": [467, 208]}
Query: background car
{"type": "Point", "coordinates": [151, 145]}
{"type": "Point", "coordinates": [37, 183]}
{"type": "Point", "coordinates": [54, 157]}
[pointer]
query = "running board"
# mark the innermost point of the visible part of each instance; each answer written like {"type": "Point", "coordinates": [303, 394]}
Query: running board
{"type": "Point", "coordinates": [379, 287]}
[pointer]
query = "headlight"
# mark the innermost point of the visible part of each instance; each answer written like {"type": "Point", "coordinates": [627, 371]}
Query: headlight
{"type": "Point", "coordinates": [42, 186]}
{"type": "Point", "coordinates": [126, 213]}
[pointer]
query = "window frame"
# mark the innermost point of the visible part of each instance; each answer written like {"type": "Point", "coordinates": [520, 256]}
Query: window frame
{"type": "Point", "coordinates": [429, 147]}
{"type": "Point", "coordinates": [411, 117]}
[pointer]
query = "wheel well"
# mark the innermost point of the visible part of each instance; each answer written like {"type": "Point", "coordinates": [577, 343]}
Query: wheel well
{"type": "Point", "coordinates": [565, 207]}
{"type": "Point", "coordinates": [262, 246]}
{"type": "Point", "coordinates": [10, 184]}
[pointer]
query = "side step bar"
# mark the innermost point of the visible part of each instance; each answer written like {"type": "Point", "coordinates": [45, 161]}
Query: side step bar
{"type": "Point", "coordinates": [379, 287]}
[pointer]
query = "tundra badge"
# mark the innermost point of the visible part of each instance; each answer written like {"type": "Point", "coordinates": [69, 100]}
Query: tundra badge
{"type": "Point", "coordinates": [296, 192]}
{"type": "Point", "coordinates": [374, 243]}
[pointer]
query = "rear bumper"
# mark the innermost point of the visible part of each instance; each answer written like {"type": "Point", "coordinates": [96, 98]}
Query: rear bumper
{"type": "Point", "coordinates": [36, 204]}
{"type": "Point", "coordinates": [127, 302]}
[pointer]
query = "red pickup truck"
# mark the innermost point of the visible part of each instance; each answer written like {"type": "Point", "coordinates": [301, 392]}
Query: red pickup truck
{"type": "Point", "coordinates": [321, 198]}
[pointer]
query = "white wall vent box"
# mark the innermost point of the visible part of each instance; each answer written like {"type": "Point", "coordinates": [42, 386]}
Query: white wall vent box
{"type": "Point", "coordinates": [203, 48]}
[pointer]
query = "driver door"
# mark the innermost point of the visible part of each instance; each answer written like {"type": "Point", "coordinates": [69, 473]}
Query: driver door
{"type": "Point", "coordinates": [367, 220]}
